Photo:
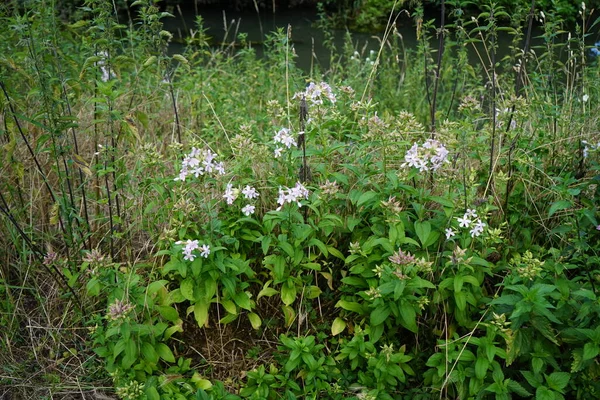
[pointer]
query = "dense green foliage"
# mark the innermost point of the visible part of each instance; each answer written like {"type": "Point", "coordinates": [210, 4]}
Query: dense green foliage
{"type": "Point", "coordinates": [407, 224]}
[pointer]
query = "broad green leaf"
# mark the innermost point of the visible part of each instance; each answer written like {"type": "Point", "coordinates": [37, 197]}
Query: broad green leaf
{"type": "Point", "coordinates": [229, 306]}
{"type": "Point", "coordinates": [590, 350]}
{"type": "Point", "coordinates": [254, 320]}
{"type": "Point", "coordinates": [365, 197]}
{"type": "Point", "coordinates": [379, 315]}
{"type": "Point", "coordinates": [266, 292]}
{"type": "Point", "coordinates": [516, 387]}
{"type": "Point", "coordinates": [338, 326]}
{"type": "Point", "coordinates": [168, 313]}
{"type": "Point", "coordinates": [350, 306]}
{"type": "Point", "coordinates": [312, 292]}
{"type": "Point", "coordinates": [175, 296]}
{"type": "Point", "coordinates": [187, 288]}
{"type": "Point", "coordinates": [201, 312]}
{"type": "Point", "coordinates": [558, 206]}
{"type": "Point", "coordinates": [149, 353]}
{"type": "Point", "coordinates": [481, 367]}
{"type": "Point", "coordinates": [152, 393]}
{"type": "Point", "coordinates": [423, 230]}
{"type": "Point", "coordinates": [288, 292]}
{"type": "Point", "coordinates": [558, 381]}
{"type": "Point", "coordinates": [408, 317]}
{"type": "Point", "coordinates": [287, 248]}
{"type": "Point", "coordinates": [543, 393]}
{"type": "Point", "coordinates": [461, 300]}
{"type": "Point", "coordinates": [164, 352]}
{"type": "Point", "coordinates": [93, 287]}
{"type": "Point", "coordinates": [458, 283]}
{"type": "Point", "coordinates": [242, 300]}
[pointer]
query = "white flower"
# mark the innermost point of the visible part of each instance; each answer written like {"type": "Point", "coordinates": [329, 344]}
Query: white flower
{"type": "Point", "coordinates": [230, 194]}
{"type": "Point", "coordinates": [450, 233]}
{"type": "Point", "coordinates": [199, 162]}
{"type": "Point", "coordinates": [464, 222]}
{"type": "Point", "coordinates": [585, 98]}
{"type": "Point", "coordinates": [248, 210]}
{"type": "Point", "coordinates": [190, 246]}
{"type": "Point", "coordinates": [430, 155]}
{"type": "Point", "coordinates": [315, 93]}
{"type": "Point", "coordinates": [470, 213]}
{"type": "Point", "coordinates": [292, 195]}
{"type": "Point", "coordinates": [220, 168]}
{"type": "Point", "coordinates": [249, 192]}
{"type": "Point", "coordinates": [204, 250]}
{"type": "Point", "coordinates": [477, 228]}
{"type": "Point", "coordinates": [278, 151]}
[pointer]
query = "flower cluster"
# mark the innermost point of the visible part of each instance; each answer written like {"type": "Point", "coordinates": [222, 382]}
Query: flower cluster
{"type": "Point", "coordinates": [119, 310]}
{"type": "Point", "coordinates": [429, 156]}
{"type": "Point", "coordinates": [292, 195]}
{"type": "Point", "coordinates": [526, 266]}
{"type": "Point", "coordinates": [315, 93]}
{"type": "Point", "coordinates": [402, 258]}
{"type": "Point", "coordinates": [190, 246]}
{"type": "Point", "coordinates": [468, 220]}
{"type": "Point", "coordinates": [200, 162]}
{"type": "Point", "coordinates": [133, 390]}
{"type": "Point", "coordinates": [285, 138]}
{"type": "Point", "coordinates": [249, 193]}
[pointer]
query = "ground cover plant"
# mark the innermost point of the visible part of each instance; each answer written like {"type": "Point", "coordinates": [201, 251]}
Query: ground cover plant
{"type": "Point", "coordinates": [406, 224]}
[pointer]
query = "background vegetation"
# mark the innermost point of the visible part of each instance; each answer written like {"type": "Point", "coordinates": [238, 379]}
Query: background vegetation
{"type": "Point", "coordinates": [406, 224]}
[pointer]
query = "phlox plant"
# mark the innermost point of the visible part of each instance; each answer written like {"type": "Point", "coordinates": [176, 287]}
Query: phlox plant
{"type": "Point", "coordinates": [412, 225]}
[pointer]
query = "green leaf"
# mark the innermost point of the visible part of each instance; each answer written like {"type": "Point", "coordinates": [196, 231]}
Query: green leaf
{"type": "Point", "coordinates": [543, 393]}
{"type": "Point", "coordinates": [380, 314]}
{"type": "Point", "coordinates": [149, 353]}
{"type": "Point", "coordinates": [557, 206]}
{"type": "Point", "coordinates": [590, 350]}
{"type": "Point", "coordinates": [408, 317]}
{"type": "Point", "coordinates": [288, 292]}
{"type": "Point", "coordinates": [350, 306]}
{"type": "Point", "coordinates": [365, 197]}
{"type": "Point", "coordinates": [287, 248]}
{"type": "Point", "coordinates": [266, 292]}
{"type": "Point", "coordinates": [168, 313]}
{"type": "Point", "coordinates": [423, 230]}
{"type": "Point", "coordinates": [229, 306]}
{"type": "Point", "coordinates": [254, 320]}
{"type": "Point", "coordinates": [201, 312]}
{"type": "Point", "coordinates": [152, 393]}
{"type": "Point", "coordinates": [312, 292]}
{"type": "Point", "coordinates": [516, 387]}
{"type": "Point", "coordinates": [558, 381]}
{"type": "Point", "coordinates": [532, 379]}
{"type": "Point", "coordinates": [320, 245]}
{"type": "Point", "coordinates": [461, 300]}
{"type": "Point", "coordinates": [481, 367]}
{"type": "Point", "coordinates": [165, 352]}
{"type": "Point", "coordinates": [93, 287]}
{"type": "Point", "coordinates": [187, 288]}
{"type": "Point", "coordinates": [242, 300]}
{"type": "Point", "coordinates": [338, 326]}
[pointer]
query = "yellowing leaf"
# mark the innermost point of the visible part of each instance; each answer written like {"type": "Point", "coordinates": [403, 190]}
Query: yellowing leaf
{"type": "Point", "coordinates": [338, 326]}
{"type": "Point", "coordinates": [254, 320]}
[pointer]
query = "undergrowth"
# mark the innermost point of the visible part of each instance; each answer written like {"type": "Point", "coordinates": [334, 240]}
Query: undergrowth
{"type": "Point", "coordinates": [405, 224]}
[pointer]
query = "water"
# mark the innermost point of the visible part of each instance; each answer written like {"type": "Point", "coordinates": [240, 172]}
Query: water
{"type": "Point", "coordinates": [308, 41]}
{"type": "Point", "coordinates": [224, 26]}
